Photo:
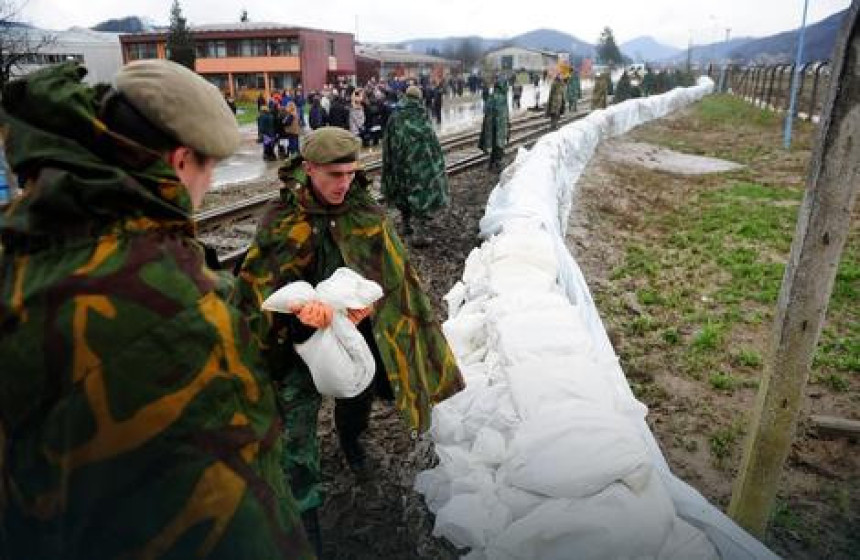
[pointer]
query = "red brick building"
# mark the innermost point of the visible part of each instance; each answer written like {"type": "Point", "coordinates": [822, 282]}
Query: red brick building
{"type": "Point", "coordinates": [251, 56]}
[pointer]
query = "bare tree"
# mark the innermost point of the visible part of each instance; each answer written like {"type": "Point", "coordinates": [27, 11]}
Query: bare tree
{"type": "Point", "coordinates": [19, 42]}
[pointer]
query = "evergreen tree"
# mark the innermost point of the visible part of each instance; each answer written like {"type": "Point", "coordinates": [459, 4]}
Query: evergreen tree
{"type": "Point", "coordinates": [623, 91]}
{"type": "Point", "coordinates": [180, 44]}
{"type": "Point", "coordinates": [607, 50]}
{"type": "Point", "coordinates": [649, 82]}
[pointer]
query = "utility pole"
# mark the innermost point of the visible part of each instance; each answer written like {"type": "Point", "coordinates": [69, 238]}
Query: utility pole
{"type": "Point", "coordinates": [795, 80]}
{"type": "Point", "coordinates": [822, 230]}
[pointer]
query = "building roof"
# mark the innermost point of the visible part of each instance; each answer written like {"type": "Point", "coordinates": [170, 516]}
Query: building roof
{"type": "Point", "coordinates": [237, 27]}
{"type": "Point", "coordinates": [67, 37]}
{"type": "Point", "coordinates": [527, 49]}
{"type": "Point", "coordinates": [394, 56]}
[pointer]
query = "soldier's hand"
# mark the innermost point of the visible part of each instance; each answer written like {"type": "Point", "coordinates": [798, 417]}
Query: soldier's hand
{"type": "Point", "coordinates": [314, 314]}
{"type": "Point", "coordinates": [359, 315]}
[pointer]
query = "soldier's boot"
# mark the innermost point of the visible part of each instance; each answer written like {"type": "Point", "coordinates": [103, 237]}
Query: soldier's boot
{"type": "Point", "coordinates": [311, 521]}
{"type": "Point", "coordinates": [353, 451]}
{"type": "Point", "coordinates": [351, 417]}
{"type": "Point", "coordinates": [421, 239]}
{"type": "Point", "coordinates": [406, 219]}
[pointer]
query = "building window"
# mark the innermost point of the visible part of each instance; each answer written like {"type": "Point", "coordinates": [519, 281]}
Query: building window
{"type": "Point", "coordinates": [249, 81]}
{"type": "Point", "coordinates": [51, 58]}
{"type": "Point", "coordinates": [212, 49]}
{"type": "Point", "coordinates": [284, 46]}
{"type": "Point", "coordinates": [331, 47]}
{"type": "Point", "coordinates": [142, 51]}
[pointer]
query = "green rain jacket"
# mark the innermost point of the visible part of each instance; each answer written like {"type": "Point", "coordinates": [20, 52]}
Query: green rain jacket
{"type": "Point", "coordinates": [298, 239]}
{"type": "Point", "coordinates": [494, 129]}
{"type": "Point", "coordinates": [135, 418]}
{"type": "Point", "coordinates": [413, 166]}
{"type": "Point", "coordinates": [574, 89]}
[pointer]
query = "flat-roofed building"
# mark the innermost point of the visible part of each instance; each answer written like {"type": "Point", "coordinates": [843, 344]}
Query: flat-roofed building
{"type": "Point", "coordinates": [515, 59]}
{"type": "Point", "coordinates": [257, 56]}
{"type": "Point", "coordinates": [384, 63]}
{"type": "Point", "coordinates": [99, 51]}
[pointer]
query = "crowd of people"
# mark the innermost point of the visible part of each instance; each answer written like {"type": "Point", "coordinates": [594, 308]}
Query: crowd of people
{"type": "Point", "coordinates": [363, 110]}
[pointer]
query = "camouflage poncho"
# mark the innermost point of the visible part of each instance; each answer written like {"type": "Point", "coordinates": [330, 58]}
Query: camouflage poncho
{"type": "Point", "coordinates": [494, 129]}
{"type": "Point", "coordinates": [413, 166]}
{"type": "Point", "coordinates": [296, 234]}
{"type": "Point", "coordinates": [555, 103]}
{"type": "Point", "coordinates": [135, 419]}
{"type": "Point", "coordinates": [574, 89]}
{"type": "Point", "coordinates": [600, 92]}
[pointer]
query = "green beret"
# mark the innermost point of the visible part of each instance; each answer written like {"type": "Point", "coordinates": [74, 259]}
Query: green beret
{"type": "Point", "coordinates": [330, 144]}
{"type": "Point", "coordinates": [182, 104]}
{"type": "Point", "coordinates": [413, 91]}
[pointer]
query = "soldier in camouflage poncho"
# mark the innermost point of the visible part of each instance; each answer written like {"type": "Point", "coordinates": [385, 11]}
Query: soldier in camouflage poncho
{"type": "Point", "coordinates": [574, 90]}
{"type": "Point", "coordinates": [135, 418]}
{"type": "Point", "coordinates": [555, 103]}
{"type": "Point", "coordinates": [495, 129]}
{"type": "Point", "coordinates": [324, 219]}
{"type": "Point", "coordinates": [413, 166]}
{"type": "Point", "coordinates": [600, 92]}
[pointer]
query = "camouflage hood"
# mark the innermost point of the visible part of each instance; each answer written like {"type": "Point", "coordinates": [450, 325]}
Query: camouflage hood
{"type": "Point", "coordinates": [78, 173]}
{"type": "Point", "coordinates": [413, 165]}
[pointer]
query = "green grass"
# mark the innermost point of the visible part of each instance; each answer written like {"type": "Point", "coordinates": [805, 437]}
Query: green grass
{"type": "Point", "coordinates": [246, 112]}
{"type": "Point", "coordinates": [723, 110]}
{"type": "Point", "coordinates": [723, 443]}
{"type": "Point", "coordinates": [723, 381]}
{"type": "Point", "coordinates": [747, 358]}
{"type": "Point", "coordinates": [709, 337]}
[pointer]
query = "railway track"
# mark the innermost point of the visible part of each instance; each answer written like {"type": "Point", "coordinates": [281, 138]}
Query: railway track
{"type": "Point", "coordinates": [461, 155]}
{"type": "Point", "coordinates": [212, 218]}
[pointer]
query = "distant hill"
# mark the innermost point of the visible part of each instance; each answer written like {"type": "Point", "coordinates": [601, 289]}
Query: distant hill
{"type": "Point", "coordinates": [552, 40]}
{"type": "Point", "coordinates": [779, 48]}
{"type": "Point", "coordinates": [704, 54]}
{"type": "Point", "coordinates": [818, 43]}
{"type": "Point", "coordinates": [131, 24]}
{"type": "Point", "coordinates": [447, 44]}
{"type": "Point", "coordinates": [646, 49]}
{"type": "Point", "coordinates": [541, 39]}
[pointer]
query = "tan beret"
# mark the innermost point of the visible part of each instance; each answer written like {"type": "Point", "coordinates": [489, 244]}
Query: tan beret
{"type": "Point", "coordinates": [182, 104]}
{"type": "Point", "coordinates": [413, 91]}
{"type": "Point", "coordinates": [330, 144]}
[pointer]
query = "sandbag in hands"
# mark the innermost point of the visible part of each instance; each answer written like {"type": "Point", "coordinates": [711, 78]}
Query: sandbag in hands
{"type": "Point", "coordinates": [337, 355]}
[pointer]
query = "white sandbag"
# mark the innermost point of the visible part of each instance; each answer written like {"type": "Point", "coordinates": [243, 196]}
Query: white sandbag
{"type": "Point", "coordinates": [489, 446]}
{"type": "Point", "coordinates": [555, 381]}
{"type": "Point", "coordinates": [472, 520]}
{"type": "Point", "coordinates": [465, 333]}
{"type": "Point", "coordinates": [510, 275]}
{"type": "Point", "coordinates": [520, 502]}
{"type": "Point", "coordinates": [611, 525]}
{"type": "Point", "coordinates": [455, 298]}
{"type": "Point", "coordinates": [530, 336]}
{"type": "Point", "coordinates": [340, 362]}
{"type": "Point", "coordinates": [685, 541]}
{"type": "Point", "coordinates": [576, 451]}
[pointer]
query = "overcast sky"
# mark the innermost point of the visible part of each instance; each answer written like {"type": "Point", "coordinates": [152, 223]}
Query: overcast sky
{"type": "Point", "coordinates": [669, 21]}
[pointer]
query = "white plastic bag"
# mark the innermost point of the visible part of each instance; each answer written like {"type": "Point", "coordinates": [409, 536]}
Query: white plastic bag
{"type": "Point", "coordinates": [338, 357]}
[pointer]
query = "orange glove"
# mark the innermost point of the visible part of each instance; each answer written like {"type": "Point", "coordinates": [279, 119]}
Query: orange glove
{"type": "Point", "coordinates": [314, 314]}
{"type": "Point", "coordinates": [359, 315]}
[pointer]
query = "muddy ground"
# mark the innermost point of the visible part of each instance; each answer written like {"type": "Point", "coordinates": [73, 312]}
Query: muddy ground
{"type": "Point", "coordinates": [384, 517]}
